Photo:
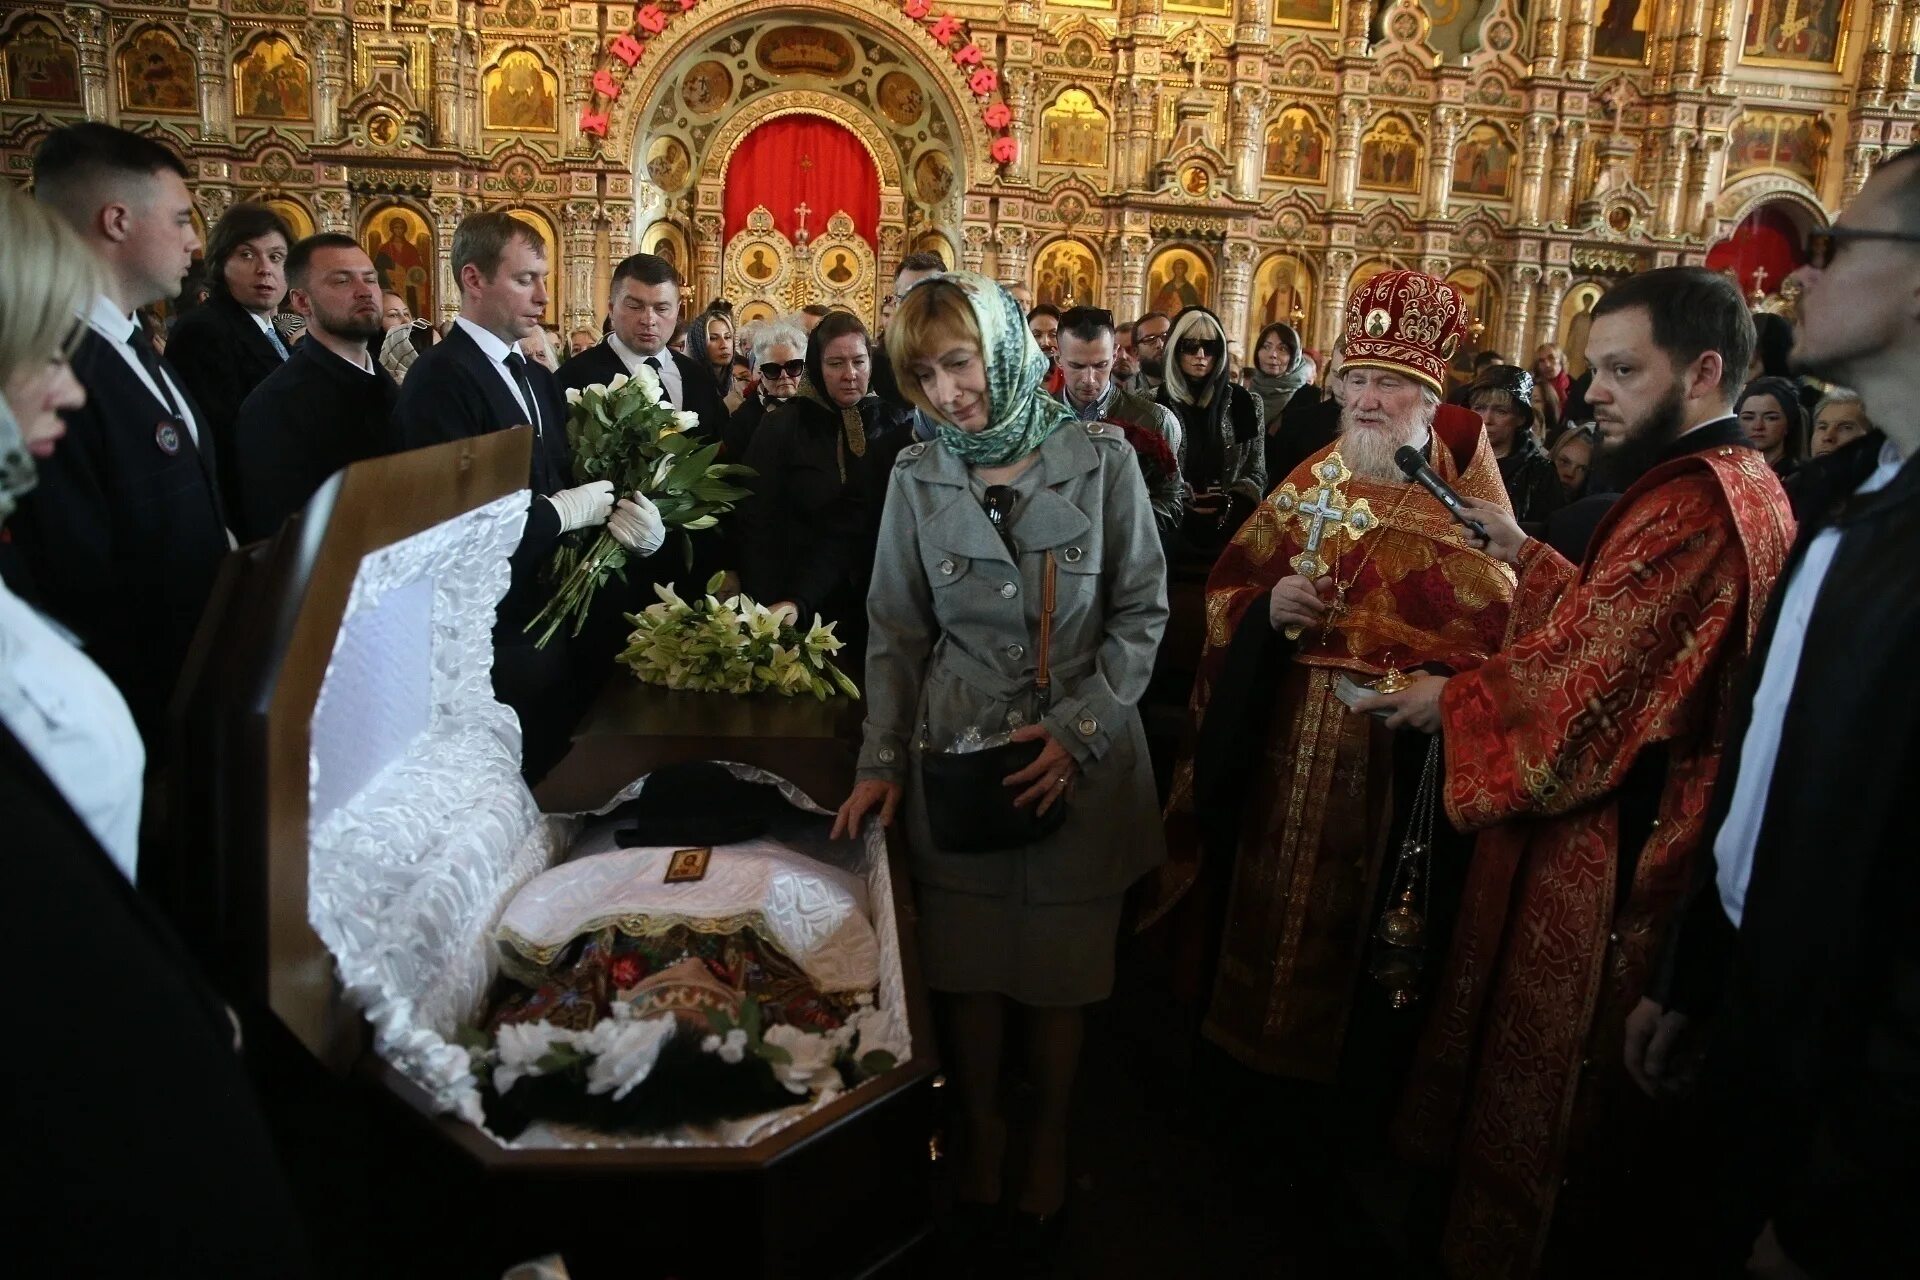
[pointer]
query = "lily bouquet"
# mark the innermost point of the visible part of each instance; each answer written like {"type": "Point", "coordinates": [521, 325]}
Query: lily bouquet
{"type": "Point", "coordinates": [622, 432]}
{"type": "Point", "coordinates": [734, 645]}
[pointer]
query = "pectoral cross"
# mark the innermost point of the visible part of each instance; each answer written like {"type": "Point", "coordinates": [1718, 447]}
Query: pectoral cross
{"type": "Point", "coordinates": [1322, 511]}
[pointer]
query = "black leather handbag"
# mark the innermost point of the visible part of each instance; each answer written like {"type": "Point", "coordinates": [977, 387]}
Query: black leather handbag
{"type": "Point", "coordinates": [969, 805]}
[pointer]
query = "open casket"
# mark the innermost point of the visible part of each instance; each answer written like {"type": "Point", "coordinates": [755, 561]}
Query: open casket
{"type": "Point", "coordinates": [357, 824]}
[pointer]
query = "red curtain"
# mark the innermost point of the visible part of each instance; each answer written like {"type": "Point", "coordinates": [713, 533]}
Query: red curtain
{"type": "Point", "coordinates": [1766, 238]}
{"type": "Point", "coordinates": [797, 160]}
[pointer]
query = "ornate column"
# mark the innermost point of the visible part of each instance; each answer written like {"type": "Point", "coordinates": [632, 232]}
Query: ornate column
{"type": "Point", "coordinates": [1146, 103]}
{"type": "Point", "coordinates": [1513, 336]}
{"type": "Point", "coordinates": [1357, 29]}
{"type": "Point", "coordinates": [1535, 136]}
{"type": "Point", "coordinates": [1346, 150]}
{"type": "Point", "coordinates": [1689, 44]}
{"type": "Point", "coordinates": [619, 216]}
{"type": "Point", "coordinates": [1720, 38]}
{"type": "Point", "coordinates": [469, 49]}
{"type": "Point", "coordinates": [209, 34]}
{"type": "Point", "coordinates": [886, 262]}
{"type": "Point", "coordinates": [1120, 98]}
{"type": "Point", "coordinates": [1236, 281]}
{"type": "Point", "coordinates": [1578, 41]}
{"type": "Point", "coordinates": [1546, 38]}
{"type": "Point", "coordinates": [1250, 23]}
{"type": "Point", "coordinates": [1673, 177]}
{"type": "Point", "coordinates": [1333, 296]}
{"type": "Point", "coordinates": [579, 56]}
{"type": "Point", "coordinates": [1863, 153]}
{"type": "Point", "coordinates": [448, 111]}
{"type": "Point", "coordinates": [580, 221]}
{"type": "Point", "coordinates": [1566, 162]}
{"type": "Point", "coordinates": [1129, 295]}
{"type": "Point", "coordinates": [1018, 87]}
{"type": "Point", "coordinates": [1547, 329]}
{"type": "Point", "coordinates": [212, 196]}
{"type": "Point", "coordinates": [973, 248]}
{"type": "Point", "coordinates": [87, 24]}
{"type": "Point", "coordinates": [1011, 241]}
{"type": "Point", "coordinates": [1249, 110]}
{"type": "Point", "coordinates": [327, 44]}
{"type": "Point", "coordinates": [332, 211]}
{"type": "Point", "coordinates": [1443, 135]}
{"type": "Point", "coordinates": [707, 245]}
{"type": "Point", "coordinates": [447, 212]}
{"type": "Point", "coordinates": [1707, 150]}
{"type": "Point", "coordinates": [1906, 62]}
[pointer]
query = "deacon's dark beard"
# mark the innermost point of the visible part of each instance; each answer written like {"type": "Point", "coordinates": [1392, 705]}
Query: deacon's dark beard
{"type": "Point", "coordinates": [1616, 465]}
{"type": "Point", "coordinates": [349, 328]}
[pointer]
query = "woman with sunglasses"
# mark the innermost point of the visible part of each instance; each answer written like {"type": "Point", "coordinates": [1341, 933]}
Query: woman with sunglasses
{"type": "Point", "coordinates": [1225, 463]}
{"type": "Point", "coordinates": [821, 462]}
{"type": "Point", "coordinates": [780, 358]}
{"type": "Point", "coordinates": [1012, 507]}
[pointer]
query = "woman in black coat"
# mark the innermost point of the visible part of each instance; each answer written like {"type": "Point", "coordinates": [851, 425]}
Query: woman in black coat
{"type": "Point", "coordinates": [1223, 460]}
{"type": "Point", "coordinates": [806, 538]}
{"type": "Point", "coordinates": [1503, 397]}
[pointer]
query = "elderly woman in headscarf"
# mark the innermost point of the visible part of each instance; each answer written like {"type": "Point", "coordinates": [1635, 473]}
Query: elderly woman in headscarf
{"type": "Point", "coordinates": [821, 462]}
{"type": "Point", "coordinates": [1282, 378]}
{"type": "Point", "coordinates": [1017, 536]}
{"type": "Point", "coordinates": [1226, 465]}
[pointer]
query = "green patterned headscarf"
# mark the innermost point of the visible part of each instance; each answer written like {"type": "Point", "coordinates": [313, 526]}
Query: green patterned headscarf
{"type": "Point", "coordinates": [1020, 415]}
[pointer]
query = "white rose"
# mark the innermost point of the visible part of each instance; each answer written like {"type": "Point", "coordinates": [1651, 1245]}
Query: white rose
{"type": "Point", "coordinates": [812, 1056]}
{"type": "Point", "coordinates": [731, 1048]}
{"type": "Point", "coordinates": [625, 1052]}
{"type": "Point", "coordinates": [619, 380]}
{"type": "Point", "coordinates": [649, 380]}
{"type": "Point", "coordinates": [877, 1030]}
{"type": "Point", "coordinates": [520, 1045]}
{"type": "Point", "coordinates": [573, 396]}
{"type": "Point", "coordinates": [686, 419]}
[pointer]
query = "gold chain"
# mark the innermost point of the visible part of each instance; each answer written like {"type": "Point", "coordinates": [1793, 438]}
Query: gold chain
{"type": "Point", "coordinates": [1339, 606]}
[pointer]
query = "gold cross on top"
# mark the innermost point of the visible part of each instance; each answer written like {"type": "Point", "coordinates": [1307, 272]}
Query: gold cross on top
{"type": "Point", "coordinates": [1321, 511]}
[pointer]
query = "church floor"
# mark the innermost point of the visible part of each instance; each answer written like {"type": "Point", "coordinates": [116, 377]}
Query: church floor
{"type": "Point", "coordinates": [1186, 1166]}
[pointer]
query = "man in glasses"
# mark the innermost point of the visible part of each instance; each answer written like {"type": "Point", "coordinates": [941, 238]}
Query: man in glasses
{"type": "Point", "coordinates": [1150, 352]}
{"type": "Point", "coordinates": [1794, 943]}
{"type": "Point", "coordinates": [1086, 365]}
{"type": "Point", "coordinates": [780, 361]}
{"type": "Point", "coordinates": [914, 268]}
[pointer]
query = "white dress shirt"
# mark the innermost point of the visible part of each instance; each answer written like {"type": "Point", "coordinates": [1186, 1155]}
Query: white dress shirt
{"type": "Point", "coordinates": [669, 371]}
{"type": "Point", "coordinates": [75, 724]}
{"type": "Point", "coordinates": [109, 322]}
{"type": "Point", "coordinates": [498, 351]}
{"type": "Point", "coordinates": [1733, 848]}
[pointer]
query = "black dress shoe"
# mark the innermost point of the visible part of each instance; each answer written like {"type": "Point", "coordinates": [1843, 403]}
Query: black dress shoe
{"type": "Point", "coordinates": [1034, 1239]}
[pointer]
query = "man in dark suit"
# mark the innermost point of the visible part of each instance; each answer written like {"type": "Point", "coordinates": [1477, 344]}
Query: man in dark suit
{"type": "Point", "coordinates": [1798, 944]}
{"type": "Point", "coordinates": [478, 381]}
{"type": "Point", "coordinates": [227, 347]}
{"type": "Point", "coordinates": [124, 535]}
{"type": "Point", "coordinates": [330, 404]}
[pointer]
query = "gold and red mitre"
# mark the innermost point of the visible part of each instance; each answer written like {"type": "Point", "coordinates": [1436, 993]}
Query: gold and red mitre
{"type": "Point", "coordinates": [1406, 321]}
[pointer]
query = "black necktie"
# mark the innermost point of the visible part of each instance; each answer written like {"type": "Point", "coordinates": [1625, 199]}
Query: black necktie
{"type": "Point", "coordinates": [653, 363]}
{"type": "Point", "coordinates": [150, 361]}
{"type": "Point", "coordinates": [517, 366]}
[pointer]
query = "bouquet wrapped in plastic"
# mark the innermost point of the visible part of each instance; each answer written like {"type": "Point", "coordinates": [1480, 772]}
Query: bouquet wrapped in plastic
{"type": "Point", "coordinates": [732, 646]}
{"type": "Point", "coordinates": [623, 433]}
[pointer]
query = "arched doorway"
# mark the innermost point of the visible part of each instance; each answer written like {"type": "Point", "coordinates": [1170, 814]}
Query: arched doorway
{"type": "Point", "coordinates": [1767, 246]}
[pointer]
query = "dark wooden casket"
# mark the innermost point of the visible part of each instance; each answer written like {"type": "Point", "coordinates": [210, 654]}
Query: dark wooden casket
{"type": "Point", "coordinates": [338, 704]}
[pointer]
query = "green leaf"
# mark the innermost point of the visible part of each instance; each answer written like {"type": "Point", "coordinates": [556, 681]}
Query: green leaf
{"type": "Point", "coordinates": [877, 1063]}
{"type": "Point", "coordinates": [750, 1018]}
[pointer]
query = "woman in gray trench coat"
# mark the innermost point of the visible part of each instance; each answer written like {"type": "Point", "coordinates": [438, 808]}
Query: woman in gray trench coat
{"type": "Point", "coordinates": [954, 611]}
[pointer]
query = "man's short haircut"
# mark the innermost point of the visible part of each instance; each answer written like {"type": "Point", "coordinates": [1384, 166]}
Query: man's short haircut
{"type": "Point", "coordinates": [1044, 309]}
{"type": "Point", "coordinates": [1692, 311]}
{"type": "Point", "coordinates": [649, 269]}
{"type": "Point", "coordinates": [300, 257]}
{"type": "Point", "coordinates": [1126, 328]}
{"type": "Point", "coordinates": [1086, 323]}
{"type": "Point", "coordinates": [241, 223]}
{"type": "Point", "coordinates": [920, 260]}
{"type": "Point", "coordinates": [76, 168]}
{"type": "Point", "coordinates": [817, 310]}
{"type": "Point", "coordinates": [1153, 315]}
{"type": "Point", "coordinates": [1484, 358]}
{"type": "Point", "coordinates": [481, 240]}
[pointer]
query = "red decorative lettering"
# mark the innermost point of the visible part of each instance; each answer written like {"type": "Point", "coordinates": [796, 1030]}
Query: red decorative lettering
{"type": "Point", "coordinates": [686, 6]}
{"type": "Point", "coordinates": [967, 55]}
{"type": "Point", "coordinates": [984, 82]}
{"type": "Point", "coordinates": [650, 17]}
{"type": "Point", "coordinates": [627, 49]}
{"type": "Point", "coordinates": [997, 116]}
{"type": "Point", "coordinates": [918, 9]}
{"type": "Point", "coordinates": [594, 123]}
{"type": "Point", "coordinates": [1004, 150]}
{"type": "Point", "coordinates": [945, 28]}
{"type": "Point", "coordinates": [605, 85]}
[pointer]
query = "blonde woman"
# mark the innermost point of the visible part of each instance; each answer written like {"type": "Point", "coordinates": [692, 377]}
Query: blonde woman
{"type": "Point", "coordinates": [1013, 507]}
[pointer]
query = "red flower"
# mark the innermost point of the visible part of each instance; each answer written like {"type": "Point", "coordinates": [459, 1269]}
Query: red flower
{"type": "Point", "coordinates": [1156, 459]}
{"type": "Point", "coordinates": [626, 972]}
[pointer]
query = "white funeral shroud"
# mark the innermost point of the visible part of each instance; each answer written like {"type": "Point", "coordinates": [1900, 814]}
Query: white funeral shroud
{"type": "Point", "coordinates": [421, 830]}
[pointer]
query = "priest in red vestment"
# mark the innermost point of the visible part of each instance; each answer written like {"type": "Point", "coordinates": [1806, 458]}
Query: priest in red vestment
{"type": "Point", "coordinates": [1289, 821]}
{"type": "Point", "coordinates": [1583, 752]}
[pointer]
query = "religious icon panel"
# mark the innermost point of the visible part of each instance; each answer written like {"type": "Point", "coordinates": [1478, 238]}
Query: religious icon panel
{"type": "Point", "coordinates": [1296, 148]}
{"type": "Point", "coordinates": [806, 51]}
{"type": "Point", "coordinates": [397, 240]}
{"type": "Point", "coordinates": [270, 82]}
{"type": "Point", "coordinates": [293, 213]}
{"type": "Point", "coordinates": [1073, 131]}
{"type": "Point", "coordinates": [1576, 322]}
{"type": "Point", "coordinates": [1066, 275]}
{"type": "Point", "coordinates": [1621, 33]}
{"type": "Point", "coordinates": [157, 75]}
{"type": "Point", "coordinates": [668, 164]}
{"type": "Point", "coordinates": [706, 87]}
{"type": "Point", "coordinates": [544, 229]}
{"type": "Point", "coordinates": [1390, 156]}
{"type": "Point", "coordinates": [901, 98]}
{"type": "Point", "coordinates": [1483, 163]}
{"type": "Point", "coordinates": [667, 242]}
{"type": "Point", "coordinates": [1481, 293]}
{"type": "Point", "coordinates": [1792, 141]}
{"type": "Point", "coordinates": [520, 93]}
{"type": "Point", "coordinates": [1321, 14]}
{"type": "Point", "coordinates": [1179, 277]}
{"type": "Point", "coordinates": [1808, 34]}
{"type": "Point", "coordinates": [41, 66]}
{"type": "Point", "coordinates": [1282, 294]}
{"type": "Point", "coordinates": [933, 176]}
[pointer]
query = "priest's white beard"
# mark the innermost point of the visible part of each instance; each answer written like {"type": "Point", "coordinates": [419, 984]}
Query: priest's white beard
{"type": "Point", "coordinates": [1368, 447]}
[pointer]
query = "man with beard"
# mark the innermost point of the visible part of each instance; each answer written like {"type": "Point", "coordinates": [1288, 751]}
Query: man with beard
{"type": "Point", "coordinates": [1124, 363]}
{"type": "Point", "coordinates": [330, 403]}
{"type": "Point", "coordinates": [1150, 353]}
{"type": "Point", "coordinates": [1585, 752]}
{"type": "Point", "coordinates": [1281, 822]}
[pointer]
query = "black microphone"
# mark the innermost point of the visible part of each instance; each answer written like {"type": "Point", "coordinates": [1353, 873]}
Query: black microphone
{"type": "Point", "coordinates": [1414, 463]}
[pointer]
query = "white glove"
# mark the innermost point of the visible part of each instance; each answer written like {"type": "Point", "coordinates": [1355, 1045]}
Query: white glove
{"type": "Point", "coordinates": [637, 526]}
{"type": "Point", "coordinates": [584, 507]}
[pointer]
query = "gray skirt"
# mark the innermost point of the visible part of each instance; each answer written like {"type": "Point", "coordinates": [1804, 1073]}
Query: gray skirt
{"type": "Point", "coordinates": [1045, 954]}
